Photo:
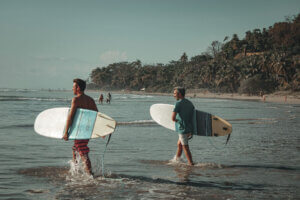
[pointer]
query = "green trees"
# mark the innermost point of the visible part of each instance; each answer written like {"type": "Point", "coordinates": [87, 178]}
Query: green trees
{"type": "Point", "coordinates": [215, 48]}
{"type": "Point", "coordinates": [184, 58]}
{"type": "Point", "coordinates": [264, 60]}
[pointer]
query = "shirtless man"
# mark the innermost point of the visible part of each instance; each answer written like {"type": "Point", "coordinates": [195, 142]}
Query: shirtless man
{"type": "Point", "coordinates": [101, 99]}
{"type": "Point", "coordinates": [80, 101]}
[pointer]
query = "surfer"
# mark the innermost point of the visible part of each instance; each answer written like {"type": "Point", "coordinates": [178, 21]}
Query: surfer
{"type": "Point", "coordinates": [182, 116]}
{"type": "Point", "coordinates": [108, 99]}
{"type": "Point", "coordinates": [80, 101]}
{"type": "Point", "coordinates": [101, 98]}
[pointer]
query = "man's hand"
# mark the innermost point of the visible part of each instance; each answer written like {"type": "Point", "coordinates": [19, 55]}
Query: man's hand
{"type": "Point", "coordinates": [66, 137]}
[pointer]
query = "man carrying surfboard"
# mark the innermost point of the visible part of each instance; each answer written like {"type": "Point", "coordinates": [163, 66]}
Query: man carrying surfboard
{"type": "Point", "coordinates": [183, 116]}
{"type": "Point", "coordinates": [80, 101]}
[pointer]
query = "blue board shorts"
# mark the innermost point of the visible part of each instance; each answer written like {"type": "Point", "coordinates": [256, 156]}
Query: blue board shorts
{"type": "Point", "coordinates": [184, 138]}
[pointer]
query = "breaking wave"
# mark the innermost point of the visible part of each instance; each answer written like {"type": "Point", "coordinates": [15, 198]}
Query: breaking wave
{"type": "Point", "coordinates": [22, 98]}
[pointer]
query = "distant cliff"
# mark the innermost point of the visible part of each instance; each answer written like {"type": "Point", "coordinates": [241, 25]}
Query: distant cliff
{"type": "Point", "coordinates": [265, 60]}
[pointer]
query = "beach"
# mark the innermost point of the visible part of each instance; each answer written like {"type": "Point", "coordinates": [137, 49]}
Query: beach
{"type": "Point", "coordinates": [285, 97]}
{"type": "Point", "coordinates": [279, 97]}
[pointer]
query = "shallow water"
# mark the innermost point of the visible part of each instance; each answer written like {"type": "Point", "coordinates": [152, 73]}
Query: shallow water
{"type": "Point", "coordinates": [261, 160]}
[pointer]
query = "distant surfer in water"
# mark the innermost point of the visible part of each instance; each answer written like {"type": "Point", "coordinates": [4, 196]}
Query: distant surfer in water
{"type": "Point", "coordinates": [101, 99]}
{"type": "Point", "coordinates": [108, 99]}
{"type": "Point", "coordinates": [80, 101]}
{"type": "Point", "coordinates": [182, 116]}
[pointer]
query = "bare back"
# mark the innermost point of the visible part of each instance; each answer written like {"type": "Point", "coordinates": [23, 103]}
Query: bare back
{"type": "Point", "coordinates": [85, 102]}
{"type": "Point", "coordinates": [81, 101]}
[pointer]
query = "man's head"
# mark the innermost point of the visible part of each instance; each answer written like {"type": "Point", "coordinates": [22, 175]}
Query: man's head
{"type": "Point", "coordinates": [78, 86]}
{"type": "Point", "coordinates": [179, 93]}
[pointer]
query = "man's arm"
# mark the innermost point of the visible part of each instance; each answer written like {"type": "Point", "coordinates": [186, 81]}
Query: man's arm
{"type": "Point", "coordinates": [175, 111]}
{"type": "Point", "coordinates": [174, 116]}
{"type": "Point", "coordinates": [70, 119]}
{"type": "Point", "coordinates": [94, 106]}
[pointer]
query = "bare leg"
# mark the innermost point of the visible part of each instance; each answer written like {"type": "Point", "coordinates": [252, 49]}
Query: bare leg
{"type": "Point", "coordinates": [188, 154]}
{"type": "Point", "coordinates": [74, 157]}
{"type": "Point", "coordinates": [179, 149]}
{"type": "Point", "coordinates": [85, 159]}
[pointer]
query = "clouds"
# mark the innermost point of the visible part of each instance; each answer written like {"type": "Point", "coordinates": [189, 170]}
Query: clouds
{"type": "Point", "coordinates": [52, 70]}
{"type": "Point", "coordinates": [43, 58]}
{"type": "Point", "coordinates": [109, 57]}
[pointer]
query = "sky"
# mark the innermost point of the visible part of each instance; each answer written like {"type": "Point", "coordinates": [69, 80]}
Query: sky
{"type": "Point", "coordinates": [47, 43]}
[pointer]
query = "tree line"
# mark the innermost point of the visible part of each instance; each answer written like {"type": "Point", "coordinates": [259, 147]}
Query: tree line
{"type": "Point", "coordinates": [265, 60]}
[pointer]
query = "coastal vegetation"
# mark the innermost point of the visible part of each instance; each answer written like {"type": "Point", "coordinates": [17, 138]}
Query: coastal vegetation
{"type": "Point", "coordinates": [266, 60]}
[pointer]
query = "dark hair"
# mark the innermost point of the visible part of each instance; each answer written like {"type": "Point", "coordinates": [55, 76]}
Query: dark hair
{"type": "Point", "coordinates": [181, 90]}
{"type": "Point", "coordinates": [81, 83]}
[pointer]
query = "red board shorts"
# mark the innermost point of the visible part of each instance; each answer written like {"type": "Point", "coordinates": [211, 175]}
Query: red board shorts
{"type": "Point", "coordinates": [81, 147]}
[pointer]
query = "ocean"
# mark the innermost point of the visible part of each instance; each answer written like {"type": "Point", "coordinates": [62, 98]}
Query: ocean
{"type": "Point", "coordinates": [261, 160]}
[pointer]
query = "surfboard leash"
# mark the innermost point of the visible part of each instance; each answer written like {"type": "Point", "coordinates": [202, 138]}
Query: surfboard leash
{"type": "Point", "coordinates": [107, 142]}
{"type": "Point", "coordinates": [102, 162]}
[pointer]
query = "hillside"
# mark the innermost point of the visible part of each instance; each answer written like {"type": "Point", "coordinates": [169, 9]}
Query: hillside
{"type": "Point", "coordinates": [265, 60]}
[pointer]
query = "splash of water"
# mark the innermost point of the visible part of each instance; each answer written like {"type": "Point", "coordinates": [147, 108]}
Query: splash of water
{"type": "Point", "coordinates": [180, 161]}
{"type": "Point", "coordinates": [77, 171]}
{"type": "Point", "coordinates": [176, 161]}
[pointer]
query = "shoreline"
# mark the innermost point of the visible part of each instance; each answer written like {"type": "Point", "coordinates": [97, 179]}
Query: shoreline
{"type": "Point", "coordinates": [277, 97]}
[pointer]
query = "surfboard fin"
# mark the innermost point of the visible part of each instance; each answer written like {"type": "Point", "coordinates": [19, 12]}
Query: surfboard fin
{"type": "Point", "coordinates": [228, 137]}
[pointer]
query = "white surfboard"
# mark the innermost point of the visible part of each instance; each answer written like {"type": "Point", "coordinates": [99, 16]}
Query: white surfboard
{"type": "Point", "coordinates": [86, 124]}
{"type": "Point", "coordinates": [162, 114]}
{"type": "Point", "coordinates": [204, 123]}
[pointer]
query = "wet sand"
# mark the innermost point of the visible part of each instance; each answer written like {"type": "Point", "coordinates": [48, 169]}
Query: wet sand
{"type": "Point", "coordinates": [293, 98]}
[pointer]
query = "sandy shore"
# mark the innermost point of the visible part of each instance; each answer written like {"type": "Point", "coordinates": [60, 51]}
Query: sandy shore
{"type": "Point", "coordinates": [277, 97]}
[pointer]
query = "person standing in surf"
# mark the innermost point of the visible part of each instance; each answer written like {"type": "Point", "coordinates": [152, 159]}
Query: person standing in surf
{"type": "Point", "coordinates": [80, 101]}
{"type": "Point", "coordinates": [183, 117]}
{"type": "Point", "coordinates": [101, 98]}
{"type": "Point", "coordinates": [108, 99]}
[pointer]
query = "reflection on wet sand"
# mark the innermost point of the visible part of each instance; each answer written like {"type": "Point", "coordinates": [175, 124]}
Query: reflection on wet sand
{"type": "Point", "coordinates": [183, 173]}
